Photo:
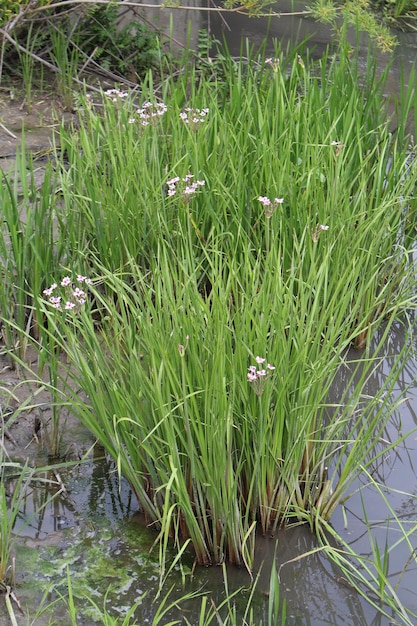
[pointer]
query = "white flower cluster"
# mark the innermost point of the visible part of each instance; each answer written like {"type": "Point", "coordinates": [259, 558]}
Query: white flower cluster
{"type": "Point", "coordinates": [315, 232]}
{"type": "Point", "coordinates": [149, 113]}
{"type": "Point", "coordinates": [185, 186]}
{"type": "Point", "coordinates": [115, 94]}
{"type": "Point", "coordinates": [194, 117]}
{"type": "Point", "coordinates": [270, 205]}
{"type": "Point", "coordinates": [258, 375]}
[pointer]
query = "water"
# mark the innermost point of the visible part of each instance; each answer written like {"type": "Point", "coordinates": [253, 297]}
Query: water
{"type": "Point", "coordinates": [292, 28]}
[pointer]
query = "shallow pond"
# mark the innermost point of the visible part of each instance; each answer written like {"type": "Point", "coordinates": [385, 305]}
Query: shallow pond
{"type": "Point", "coordinates": [94, 531]}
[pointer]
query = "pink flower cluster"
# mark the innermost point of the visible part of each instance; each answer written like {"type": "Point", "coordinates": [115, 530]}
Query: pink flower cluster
{"type": "Point", "coordinates": [194, 117]}
{"type": "Point", "coordinates": [185, 186]}
{"type": "Point", "coordinates": [258, 375]}
{"type": "Point", "coordinates": [67, 296]}
{"type": "Point", "coordinates": [270, 205]}
{"type": "Point", "coordinates": [149, 113]}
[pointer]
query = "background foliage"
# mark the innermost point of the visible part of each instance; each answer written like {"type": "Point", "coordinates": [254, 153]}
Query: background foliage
{"type": "Point", "coordinates": [95, 32]}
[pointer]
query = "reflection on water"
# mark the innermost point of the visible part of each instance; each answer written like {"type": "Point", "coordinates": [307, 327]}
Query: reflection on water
{"type": "Point", "coordinates": [91, 490]}
{"type": "Point", "coordinates": [382, 514]}
{"type": "Point", "coordinates": [291, 30]}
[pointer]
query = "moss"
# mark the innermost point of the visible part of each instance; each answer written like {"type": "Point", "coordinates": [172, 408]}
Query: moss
{"type": "Point", "coordinates": [100, 559]}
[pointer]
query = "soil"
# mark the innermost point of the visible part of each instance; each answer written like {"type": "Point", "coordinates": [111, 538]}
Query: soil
{"type": "Point", "coordinates": [37, 120]}
{"type": "Point", "coordinates": [29, 126]}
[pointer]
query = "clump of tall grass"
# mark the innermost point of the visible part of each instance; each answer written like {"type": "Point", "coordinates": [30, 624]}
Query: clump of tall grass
{"type": "Point", "coordinates": [235, 257]}
{"type": "Point", "coordinates": [274, 226]}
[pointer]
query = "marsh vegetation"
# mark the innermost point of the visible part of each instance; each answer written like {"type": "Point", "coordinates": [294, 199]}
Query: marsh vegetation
{"type": "Point", "coordinates": [205, 255]}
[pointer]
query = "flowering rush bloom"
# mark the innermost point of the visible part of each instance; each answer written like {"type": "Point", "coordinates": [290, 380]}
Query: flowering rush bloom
{"type": "Point", "coordinates": [270, 205]}
{"type": "Point", "coordinates": [258, 374]}
{"type": "Point", "coordinates": [67, 296]}
{"type": "Point", "coordinates": [149, 113]}
{"type": "Point", "coordinates": [338, 145]}
{"type": "Point", "coordinates": [194, 117]}
{"type": "Point", "coordinates": [315, 232]}
{"type": "Point", "coordinates": [185, 187]}
{"type": "Point", "coordinates": [182, 348]}
{"type": "Point", "coordinates": [273, 62]}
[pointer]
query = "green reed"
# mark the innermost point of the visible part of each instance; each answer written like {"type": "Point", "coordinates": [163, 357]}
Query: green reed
{"type": "Point", "coordinates": [65, 54]}
{"type": "Point", "coordinates": [297, 281]}
{"type": "Point", "coordinates": [166, 378]}
{"type": "Point", "coordinates": [30, 249]}
{"type": "Point", "coordinates": [27, 64]}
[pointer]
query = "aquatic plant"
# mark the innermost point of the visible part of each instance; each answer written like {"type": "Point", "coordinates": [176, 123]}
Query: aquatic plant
{"type": "Point", "coordinates": [298, 282]}
{"type": "Point", "coordinates": [66, 58]}
{"type": "Point", "coordinates": [190, 289]}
